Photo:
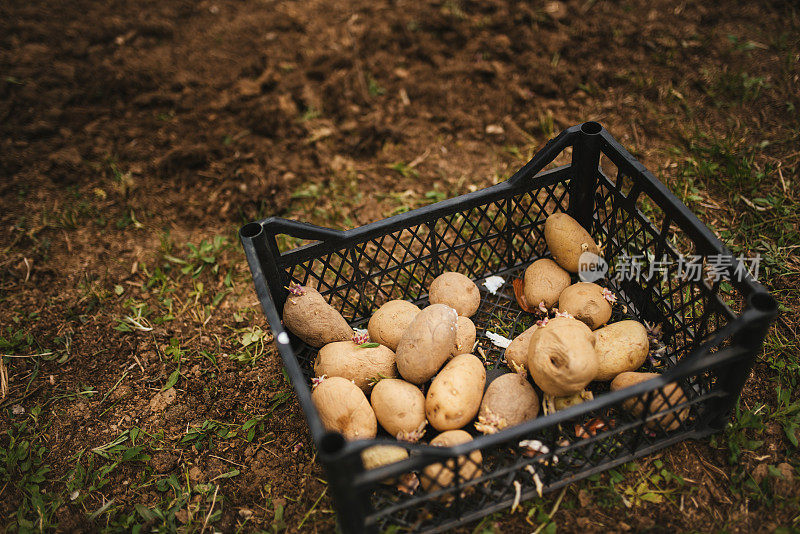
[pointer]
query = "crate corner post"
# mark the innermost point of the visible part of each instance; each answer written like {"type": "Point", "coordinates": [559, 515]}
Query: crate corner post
{"type": "Point", "coordinates": [342, 466]}
{"type": "Point", "coordinates": [585, 164]}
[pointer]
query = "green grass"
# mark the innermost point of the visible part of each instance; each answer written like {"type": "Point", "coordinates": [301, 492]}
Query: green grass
{"type": "Point", "coordinates": [23, 464]}
{"type": "Point", "coordinates": [181, 282]}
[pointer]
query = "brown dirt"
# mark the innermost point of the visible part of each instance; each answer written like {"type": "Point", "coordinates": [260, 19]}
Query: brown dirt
{"type": "Point", "coordinates": [125, 122]}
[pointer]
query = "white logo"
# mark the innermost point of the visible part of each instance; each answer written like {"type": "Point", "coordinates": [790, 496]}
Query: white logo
{"type": "Point", "coordinates": [591, 267]}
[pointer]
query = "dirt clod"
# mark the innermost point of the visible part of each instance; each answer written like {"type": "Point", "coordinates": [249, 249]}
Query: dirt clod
{"type": "Point", "coordinates": [163, 462]}
{"type": "Point", "coordinates": [162, 399]}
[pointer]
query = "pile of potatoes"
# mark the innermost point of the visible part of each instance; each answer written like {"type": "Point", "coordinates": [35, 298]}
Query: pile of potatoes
{"type": "Point", "coordinates": [414, 369]}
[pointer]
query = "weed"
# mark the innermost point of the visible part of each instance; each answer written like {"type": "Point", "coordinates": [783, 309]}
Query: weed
{"type": "Point", "coordinates": [310, 114]}
{"type": "Point", "coordinates": [374, 88]}
{"type": "Point", "coordinates": [547, 123]}
{"type": "Point", "coordinates": [404, 169]}
{"type": "Point", "coordinates": [435, 196]}
{"type": "Point", "coordinates": [22, 464]}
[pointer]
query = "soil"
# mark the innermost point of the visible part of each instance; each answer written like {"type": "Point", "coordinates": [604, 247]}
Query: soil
{"type": "Point", "coordinates": [127, 126]}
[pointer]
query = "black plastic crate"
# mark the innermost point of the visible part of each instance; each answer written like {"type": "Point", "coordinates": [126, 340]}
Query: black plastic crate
{"type": "Point", "coordinates": [712, 330]}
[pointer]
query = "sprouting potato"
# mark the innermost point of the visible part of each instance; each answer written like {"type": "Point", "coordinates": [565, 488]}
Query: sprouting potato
{"type": "Point", "coordinates": [587, 303]}
{"type": "Point", "coordinates": [441, 475]}
{"type": "Point", "coordinates": [544, 281]}
{"type": "Point", "coordinates": [567, 240]}
{"type": "Point", "coordinates": [561, 356]}
{"type": "Point", "coordinates": [362, 365]}
{"type": "Point", "coordinates": [454, 396]}
{"type": "Point", "coordinates": [389, 322]}
{"type": "Point", "coordinates": [344, 408]}
{"type": "Point", "coordinates": [427, 343]}
{"type": "Point", "coordinates": [466, 334]}
{"type": "Point", "coordinates": [621, 346]}
{"type": "Point", "coordinates": [509, 400]}
{"type": "Point", "coordinates": [517, 351]}
{"type": "Point", "coordinates": [672, 392]}
{"type": "Point", "coordinates": [457, 291]}
{"type": "Point", "coordinates": [380, 455]}
{"type": "Point", "coordinates": [312, 319]}
{"type": "Point", "coordinates": [400, 408]}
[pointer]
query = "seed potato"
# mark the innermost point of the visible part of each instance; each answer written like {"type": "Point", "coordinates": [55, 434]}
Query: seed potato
{"type": "Point", "coordinates": [635, 406]}
{"type": "Point", "coordinates": [308, 315]}
{"type": "Point", "coordinates": [517, 351]}
{"type": "Point", "coordinates": [387, 324]}
{"type": "Point", "coordinates": [466, 334]}
{"type": "Point", "coordinates": [380, 455]}
{"type": "Point", "coordinates": [561, 356]}
{"type": "Point", "coordinates": [457, 291]}
{"type": "Point", "coordinates": [544, 281]}
{"type": "Point", "coordinates": [437, 476]}
{"type": "Point", "coordinates": [427, 343]}
{"type": "Point", "coordinates": [344, 408]}
{"type": "Point", "coordinates": [455, 394]}
{"type": "Point", "coordinates": [567, 240]}
{"type": "Point", "coordinates": [621, 347]}
{"type": "Point", "coordinates": [509, 400]}
{"type": "Point", "coordinates": [400, 408]}
{"type": "Point", "coordinates": [362, 365]}
{"type": "Point", "coordinates": [585, 302]}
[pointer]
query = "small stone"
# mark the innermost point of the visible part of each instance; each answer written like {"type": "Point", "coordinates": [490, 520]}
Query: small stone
{"type": "Point", "coordinates": [162, 399]}
{"type": "Point", "coordinates": [195, 473]}
{"type": "Point", "coordinates": [122, 392]}
{"type": "Point", "coordinates": [495, 129]}
{"type": "Point", "coordinates": [182, 516]}
{"type": "Point", "coordinates": [557, 10]}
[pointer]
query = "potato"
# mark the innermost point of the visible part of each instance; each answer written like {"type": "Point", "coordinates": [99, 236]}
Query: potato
{"type": "Point", "coordinates": [455, 394]}
{"type": "Point", "coordinates": [544, 281]}
{"type": "Point", "coordinates": [427, 343]}
{"type": "Point", "coordinates": [400, 408]}
{"type": "Point", "coordinates": [437, 476]}
{"type": "Point", "coordinates": [344, 408]}
{"type": "Point", "coordinates": [517, 352]}
{"type": "Point", "coordinates": [567, 240]}
{"type": "Point", "coordinates": [561, 356]}
{"type": "Point", "coordinates": [387, 324]}
{"type": "Point", "coordinates": [457, 291]}
{"type": "Point", "coordinates": [585, 302]}
{"type": "Point", "coordinates": [466, 334]}
{"type": "Point", "coordinates": [509, 400]}
{"type": "Point", "coordinates": [554, 404]}
{"type": "Point", "coordinates": [635, 406]}
{"type": "Point", "coordinates": [620, 347]}
{"type": "Point", "coordinates": [380, 455]}
{"type": "Point", "coordinates": [362, 365]}
{"type": "Point", "coordinates": [308, 316]}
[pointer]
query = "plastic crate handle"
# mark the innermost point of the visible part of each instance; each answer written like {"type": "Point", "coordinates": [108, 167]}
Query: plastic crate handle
{"type": "Point", "coordinates": [277, 225]}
